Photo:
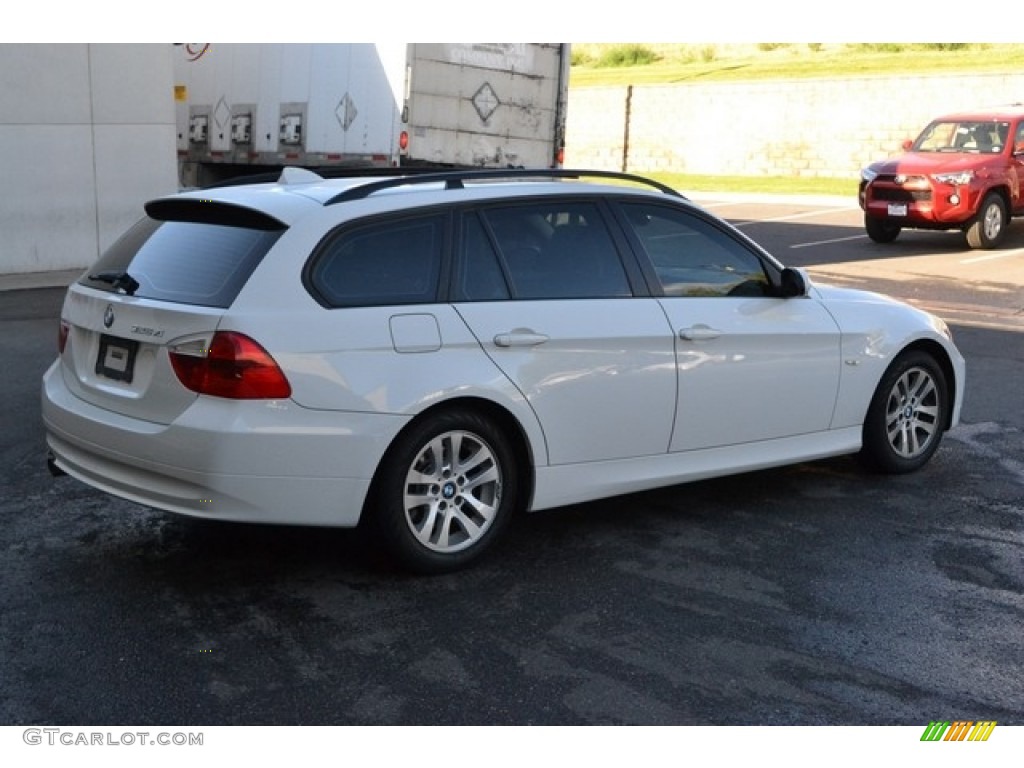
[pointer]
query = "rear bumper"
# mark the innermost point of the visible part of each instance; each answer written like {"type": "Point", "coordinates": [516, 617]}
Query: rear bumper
{"type": "Point", "coordinates": [252, 461]}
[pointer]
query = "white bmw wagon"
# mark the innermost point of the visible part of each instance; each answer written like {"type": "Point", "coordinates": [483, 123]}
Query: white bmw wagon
{"type": "Point", "coordinates": [428, 354]}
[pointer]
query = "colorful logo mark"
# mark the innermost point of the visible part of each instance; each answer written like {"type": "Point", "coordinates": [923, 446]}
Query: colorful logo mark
{"type": "Point", "coordinates": [961, 730]}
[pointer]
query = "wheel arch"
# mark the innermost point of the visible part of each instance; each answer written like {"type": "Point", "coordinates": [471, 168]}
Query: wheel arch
{"type": "Point", "coordinates": [978, 198]}
{"type": "Point", "coordinates": [1003, 190]}
{"type": "Point", "coordinates": [501, 416]}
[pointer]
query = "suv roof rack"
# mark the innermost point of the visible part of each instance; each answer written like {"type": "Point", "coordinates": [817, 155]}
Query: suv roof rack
{"type": "Point", "coordinates": [457, 179]}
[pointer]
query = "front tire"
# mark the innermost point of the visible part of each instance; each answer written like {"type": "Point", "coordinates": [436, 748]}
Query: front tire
{"type": "Point", "coordinates": [989, 226]}
{"type": "Point", "coordinates": [880, 230]}
{"type": "Point", "coordinates": [907, 415]}
{"type": "Point", "coordinates": [445, 490]}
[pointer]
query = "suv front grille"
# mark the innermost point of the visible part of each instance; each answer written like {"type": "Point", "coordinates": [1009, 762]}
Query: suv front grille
{"type": "Point", "coordinates": [915, 189]}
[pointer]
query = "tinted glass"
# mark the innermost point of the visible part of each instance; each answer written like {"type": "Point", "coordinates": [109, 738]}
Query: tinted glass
{"type": "Point", "coordinates": [556, 250]}
{"type": "Point", "coordinates": [185, 262]}
{"type": "Point", "coordinates": [388, 262]}
{"type": "Point", "coordinates": [479, 276]}
{"type": "Point", "coordinates": [692, 257]}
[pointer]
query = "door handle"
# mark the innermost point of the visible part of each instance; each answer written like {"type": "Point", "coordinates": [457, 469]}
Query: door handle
{"type": "Point", "coordinates": [699, 332]}
{"type": "Point", "coordinates": [520, 337]}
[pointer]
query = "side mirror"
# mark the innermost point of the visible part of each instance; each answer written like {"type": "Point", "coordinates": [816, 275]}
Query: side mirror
{"type": "Point", "coordinates": [1018, 148]}
{"type": "Point", "coordinates": [792, 283]}
{"type": "Point", "coordinates": [907, 144]}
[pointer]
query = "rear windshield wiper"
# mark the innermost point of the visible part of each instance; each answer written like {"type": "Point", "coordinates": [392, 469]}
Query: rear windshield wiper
{"type": "Point", "coordinates": [121, 281]}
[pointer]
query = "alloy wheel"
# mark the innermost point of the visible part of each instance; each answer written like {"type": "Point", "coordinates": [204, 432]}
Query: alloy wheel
{"type": "Point", "coordinates": [912, 413]}
{"type": "Point", "coordinates": [452, 491]}
{"type": "Point", "coordinates": [993, 222]}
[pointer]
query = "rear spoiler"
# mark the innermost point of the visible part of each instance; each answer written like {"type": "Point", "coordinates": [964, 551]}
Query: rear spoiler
{"type": "Point", "coordinates": [204, 211]}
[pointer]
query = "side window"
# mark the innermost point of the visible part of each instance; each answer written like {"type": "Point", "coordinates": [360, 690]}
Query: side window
{"type": "Point", "coordinates": [692, 257]}
{"type": "Point", "coordinates": [557, 249]}
{"type": "Point", "coordinates": [479, 276]}
{"type": "Point", "coordinates": [395, 261]}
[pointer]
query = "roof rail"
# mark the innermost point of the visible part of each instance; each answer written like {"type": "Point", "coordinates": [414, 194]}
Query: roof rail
{"type": "Point", "coordinates": [263, 174]}
{"type": "Point", "coordinates": [457, 179]}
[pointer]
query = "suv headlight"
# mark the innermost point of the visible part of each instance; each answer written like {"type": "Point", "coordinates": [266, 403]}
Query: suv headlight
{"type": "Point", "coordinates": [867, 175]}
{"type": "Point", "coordinates": [959, 178]}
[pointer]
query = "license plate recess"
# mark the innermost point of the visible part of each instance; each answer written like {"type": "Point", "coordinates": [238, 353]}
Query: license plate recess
{"type": "Point", "coordinates": [116, 358]}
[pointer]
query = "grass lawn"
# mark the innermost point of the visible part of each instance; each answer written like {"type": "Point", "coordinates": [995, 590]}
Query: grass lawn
{"type": "Point", "coordinates": [597, 64]}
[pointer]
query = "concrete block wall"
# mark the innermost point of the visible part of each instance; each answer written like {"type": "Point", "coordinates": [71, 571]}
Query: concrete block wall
{"type": "Point", "coordinates": [87, 135]}
{"type": "Point", "coordinates": [804, 128]}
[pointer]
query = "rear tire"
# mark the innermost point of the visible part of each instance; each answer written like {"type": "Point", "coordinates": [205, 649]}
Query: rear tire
{"type": "Point", "coordinates": [445, 490]}
{"type": "Point", "coordinates": [907, 415]}
{"type": "Point", "coordinates": [880, 230]}
{"type": "Point", "coordinates": [989, 226]}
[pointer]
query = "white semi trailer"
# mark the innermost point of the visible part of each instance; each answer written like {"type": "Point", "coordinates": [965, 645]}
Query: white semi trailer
{"type": "Point", "coordinates": [244, 108]}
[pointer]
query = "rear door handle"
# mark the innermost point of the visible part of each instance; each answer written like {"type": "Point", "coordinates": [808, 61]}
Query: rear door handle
{"type": "Point", "coordinates": [520, 338]}
{"type": "Point", "coordinates": [699, 332]}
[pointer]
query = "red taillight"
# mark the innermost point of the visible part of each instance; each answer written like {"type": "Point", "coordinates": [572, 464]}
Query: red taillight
{"type": "Point", "coordinates": [403, 140]}
{"type": "Point", "coordinates": [62, 336]}
{"type": "Point", "coordinates": [234, 366]}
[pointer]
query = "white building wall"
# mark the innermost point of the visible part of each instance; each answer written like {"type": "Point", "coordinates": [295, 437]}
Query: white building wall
{"type": "Point", "coordinates": [87, 135]}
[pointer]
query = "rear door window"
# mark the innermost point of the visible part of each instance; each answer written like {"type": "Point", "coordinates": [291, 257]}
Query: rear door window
{"type": "Point", "coordinates": [548, 250]}
{"type": "Point", "coordinates": [184, 261]}
{"type": "Point", "coordinates": [479, 275]}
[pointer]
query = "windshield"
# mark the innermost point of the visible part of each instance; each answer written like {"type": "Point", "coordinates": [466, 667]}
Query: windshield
{"type": "Point", "coordinates": [987, 136]}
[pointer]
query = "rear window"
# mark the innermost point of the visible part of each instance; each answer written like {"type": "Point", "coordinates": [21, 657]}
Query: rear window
{"type": "Point", "coordinates": [185, 262]}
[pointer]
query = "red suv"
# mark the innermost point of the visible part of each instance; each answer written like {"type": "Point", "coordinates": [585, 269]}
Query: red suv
{"type": "Point", "coordinates": [963, 172]}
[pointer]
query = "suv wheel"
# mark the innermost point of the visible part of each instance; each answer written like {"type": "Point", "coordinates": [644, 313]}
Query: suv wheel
{"type": "Point", "coordinates": [445, 490]}
{"type": "Point", "coordinates": [880, 230]}
{"type": "Point", "coordinates": [989, 226]}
